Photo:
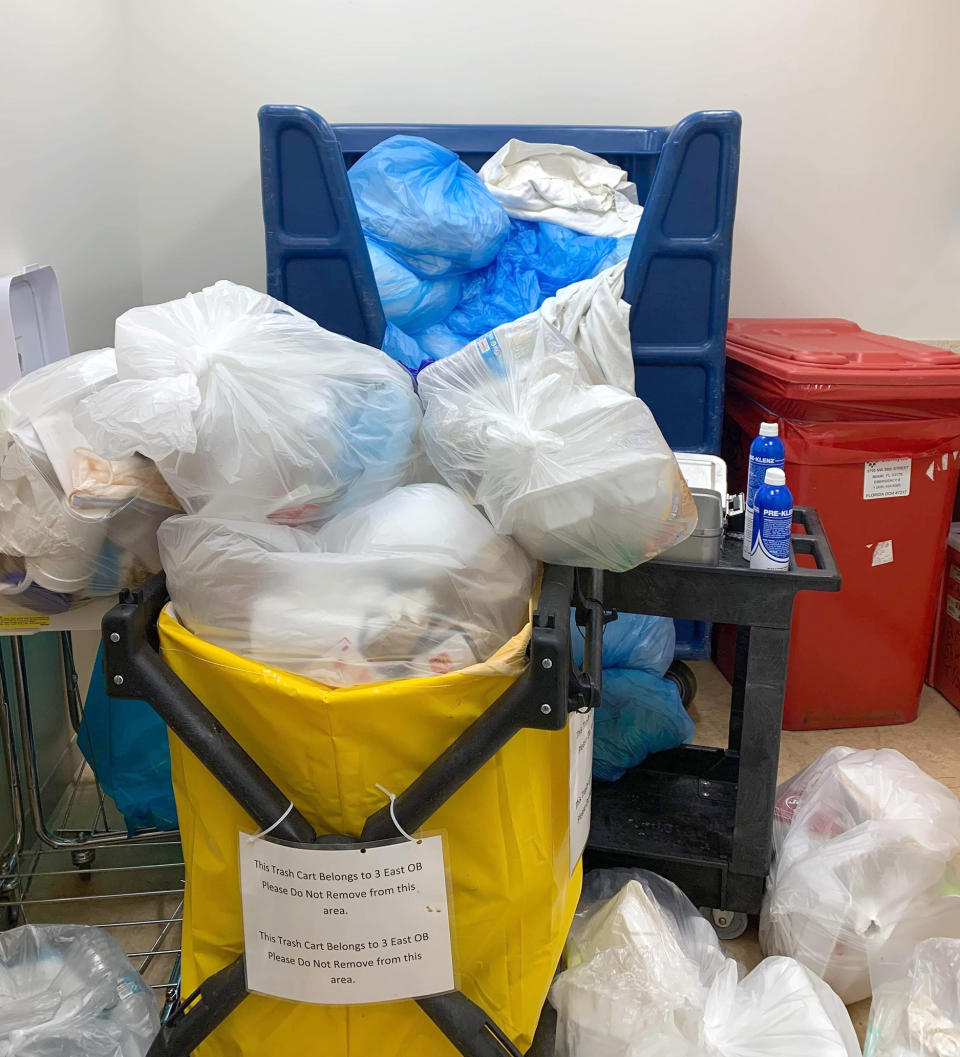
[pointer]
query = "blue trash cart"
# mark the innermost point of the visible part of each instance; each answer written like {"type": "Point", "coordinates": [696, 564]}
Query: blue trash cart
{"type": "Point", "coordinates": [677, 278]}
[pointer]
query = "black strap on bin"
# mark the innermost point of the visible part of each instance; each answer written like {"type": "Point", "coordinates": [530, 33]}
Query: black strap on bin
{"type": "Point", "coordinates": [550, 687]}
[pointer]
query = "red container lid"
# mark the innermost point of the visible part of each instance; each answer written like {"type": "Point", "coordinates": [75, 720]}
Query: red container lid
{"type": "Point", "coordinates": [836, 352]}
{"type": "Point", "coordinates": [826, 363]}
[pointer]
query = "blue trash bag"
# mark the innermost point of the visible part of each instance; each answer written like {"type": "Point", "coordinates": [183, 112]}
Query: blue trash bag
{"type": "Point", "coordinates": [634, 641]}
{"type": "Point", "coordinates": [426, 207]}
{"type": "Point", "coordinates": [640, 713]}
{"type": "Point", "coordinates": [408, 301]}
{"type": "Point", "coordinates": [438, 342]}
{"type": "Point", "coordinates": [400, 346]}
{"type": "Point", "coordinates": [125, 742]}
{"type": "Point", "coordinates": [536, 260]}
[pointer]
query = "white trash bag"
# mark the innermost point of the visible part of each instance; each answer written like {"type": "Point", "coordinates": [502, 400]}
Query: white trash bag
{"type": "Point", "coordinates": [39, 413]}
{"type": "Point", "coordinates": [563, 185]}
{"type": "Point", "coordinates": [72, 524]}
{"type": "Point", "coordinates": [862, 843]}
{"type": "Point", "coordinates": [416, 583]}
{"type": "Point", "coordinates": [919, 1015]}
{"type": "Point", "coordinates": [578, 474]}
{"type": "Point", "coordinates": [647, 977]}
{"type": "Point", "coordinates": [593, 316]}
{"type": "Point", "coordinates": [251, 410]}
{"type": "Point", "coordinates": [70, 991]}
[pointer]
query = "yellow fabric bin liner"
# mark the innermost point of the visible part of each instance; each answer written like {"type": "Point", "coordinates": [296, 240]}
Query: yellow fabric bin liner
{"type": "Point", "coordinates": [506, 830]}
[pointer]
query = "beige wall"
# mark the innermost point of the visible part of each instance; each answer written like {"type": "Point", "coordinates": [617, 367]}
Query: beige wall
{"type": "Point", "coordinates": [850, 172]}
{"type": "Point", "coordinates": [67, 181]}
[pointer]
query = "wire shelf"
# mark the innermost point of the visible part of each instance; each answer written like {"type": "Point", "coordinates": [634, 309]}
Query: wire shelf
{"type": "Point", "coordinates": [131, 888]}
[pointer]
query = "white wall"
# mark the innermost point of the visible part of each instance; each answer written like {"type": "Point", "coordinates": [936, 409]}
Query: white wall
{"type": "Point", "coordinates": [850, 165]}
{"type": "Point", "coordinates": [67, 181]}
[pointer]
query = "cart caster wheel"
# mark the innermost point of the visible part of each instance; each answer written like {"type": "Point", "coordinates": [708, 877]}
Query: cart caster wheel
{"type": "Point", "coordinates": [83, 859]}
{"type": "Point", "coordinates": [728, 924]}
{"type": "Point", "coordinates": [682, 674]}
{"type": "Point", "coordinates": [9, 916]}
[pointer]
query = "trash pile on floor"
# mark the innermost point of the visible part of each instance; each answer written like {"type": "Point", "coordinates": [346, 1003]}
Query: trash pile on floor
{"type": "Point", "coordinates": [648, 977]}
{"type": "Point", "coordinates": [864, 860]}
{"type": "Point", "coordinates": [70, 991]}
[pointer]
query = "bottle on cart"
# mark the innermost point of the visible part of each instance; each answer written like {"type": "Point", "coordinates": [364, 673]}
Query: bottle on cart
{"type": "Point", "coordinates": [765, 451]}
{"type": "Point", "coordinates": [772, 518]}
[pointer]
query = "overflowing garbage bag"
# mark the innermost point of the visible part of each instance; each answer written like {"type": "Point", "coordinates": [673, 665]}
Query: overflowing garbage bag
{"type": "Point", "coordinates": [451, 265]}
{"type": "Point", "coordinates": [564, 185]}
{"type": "Point", "coordinates": [70, 991]}
{"type": "Point", "coordinates": [126, 744]}
{"type": "Point", "coordinates": [919, 1014]}
{"type": "Point", "coordinates": [578, 474]}
{"type": "Point", "coordinates": [73, 524]}
{"type": "Point", "coordinates": [647, 977]}
{"type": "Point", "coordinates": [251, 410]}
{"type": "Point", "coordinates": [416, 583]}
{"type": "Point", "coordinates": [863, 844]}
{"type": "Point", "coordinates": [641, 711]}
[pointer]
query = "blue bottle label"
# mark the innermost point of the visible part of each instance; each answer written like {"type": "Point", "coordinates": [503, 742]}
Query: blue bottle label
{"type": "Point", "coordinates": [770, 542]}
{"type": "Point", "coordinates": [764, 453]}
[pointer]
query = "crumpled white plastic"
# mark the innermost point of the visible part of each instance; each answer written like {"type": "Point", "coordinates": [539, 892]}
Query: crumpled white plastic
{"type": "Point", "coordinates": [252, 410]}
{"type": "Point", "coordinates": [647, 977]}
{"type": "Point", "coordinates": [38, 411]}
{"type": "Point", "coordinates": [563, 185]}
{"type": "Point", "coordinates": [413, 584]}
{"type": "Point", "coordinates": [578, 474]}
{"type": "Point", "coordinates": [862, 844]}
{"type": "Point", "coordinates": [593, 316]}
{"type": "Point", "coordinates": [70, 991]}
{"type": "Point", "coordinates": [919, 1015]}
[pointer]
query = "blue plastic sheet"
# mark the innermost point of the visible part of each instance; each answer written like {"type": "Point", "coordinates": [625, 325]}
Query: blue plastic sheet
{"type": "Point", "coordinates": [641, 713]}
{"type": "Point", "coordinates": [408, 301]}
{"type": "Point", "coordinates": [535, 261]}
{"type": "Point", "coordinates": [426, 207]}
{"type": "Point", "coordinates": [633, 640]}
{"type": "Point", "coordinates": [125, 742]}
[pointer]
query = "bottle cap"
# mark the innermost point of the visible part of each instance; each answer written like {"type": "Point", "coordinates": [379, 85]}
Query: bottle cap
{"type": "Point", "coordinates": [769, 429]}
{"type": "Point", "coordinates": [774, 476]}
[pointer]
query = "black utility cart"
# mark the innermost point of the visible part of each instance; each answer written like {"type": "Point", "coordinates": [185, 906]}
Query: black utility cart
{"type": "Point", "coordinates": [700, 816]}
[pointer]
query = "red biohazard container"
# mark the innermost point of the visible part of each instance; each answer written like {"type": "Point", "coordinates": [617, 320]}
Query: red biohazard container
{"type": "Point", "coordinates": [871, 428]}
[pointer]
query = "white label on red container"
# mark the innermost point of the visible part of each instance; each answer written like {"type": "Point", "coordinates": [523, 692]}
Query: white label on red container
{"type": "Point", "coordinates": [581, 782]}
{"type": "Point", "coordinates": [886, 478]}
{"type": "Point", "coordinates": [883, 553]}
{"type": "Point", "coordinates": [341, 926]}
{"type": "Point", "coordinates": [953, 608]}
{"type": "Point", "coordinates": [955, 572]}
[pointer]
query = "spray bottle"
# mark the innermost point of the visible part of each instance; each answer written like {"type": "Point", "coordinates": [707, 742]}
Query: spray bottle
{"type": "Point", "coordinates": [772, 518]}
{"type": "Point", "coordinates": [765, 451]}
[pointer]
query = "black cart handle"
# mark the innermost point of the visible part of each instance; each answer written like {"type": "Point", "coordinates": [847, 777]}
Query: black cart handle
{"type": "Point", "coordinates": [814, 541]}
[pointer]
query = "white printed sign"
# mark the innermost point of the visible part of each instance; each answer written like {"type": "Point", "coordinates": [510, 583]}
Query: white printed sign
{"type": "Point", "coordinates": [346, 926]}
{"type": "Point", "coordinates": [886, 478]}
{"type": "Point", "coordinates": [581, 782]}
{"type": "Point", "coordinates": [953, 608]}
